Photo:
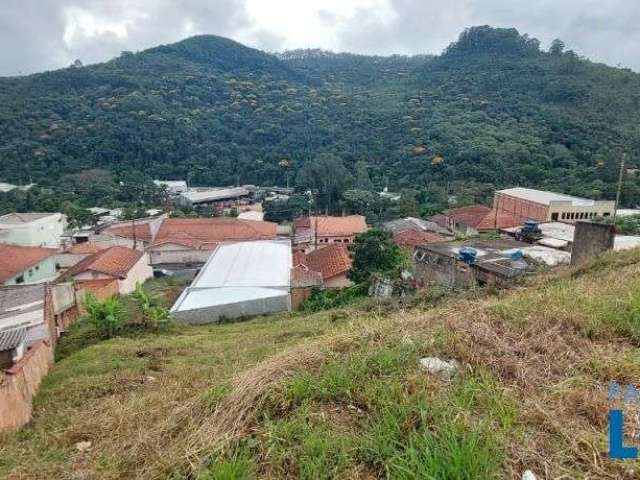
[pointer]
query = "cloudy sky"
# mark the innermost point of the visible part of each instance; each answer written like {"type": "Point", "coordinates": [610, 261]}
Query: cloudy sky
{"type": "Point", "coordinates": [38, 35]}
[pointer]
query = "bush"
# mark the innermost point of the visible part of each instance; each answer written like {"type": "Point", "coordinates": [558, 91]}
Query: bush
{"type": "Point", "coordinates": [333, 298]}
{"type": "Point", "coordinates": [107, 316]}
{"type": "Point", "coordinates": [154, 315]}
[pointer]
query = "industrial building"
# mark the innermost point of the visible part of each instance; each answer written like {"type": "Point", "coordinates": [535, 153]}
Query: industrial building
{"type": "Point", "coordinates": [543, 206]}
{"type": "Point", "coordinates": [239, 279]}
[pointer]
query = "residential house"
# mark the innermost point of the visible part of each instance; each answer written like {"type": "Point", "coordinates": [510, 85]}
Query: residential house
{"type": "Point", "coordinates": [33, 229]}
{"type": "Point", "coordinates": [313, 232]}
{"type": "Point", "coordinates": [31, 319]}
{"type": "Point", "coordinates": [138, 234]}
{"type": "Point", "coordinates": [73, 254]}
{"type": "Point", "coordinates": [26, 265]}
{"type": "Point", "coordinates": [239, 279]}
{"type": "Point", "coordinates": [410, 232]}
{"type": "Point", "coordinates": [544, 206]}
{"type": "Point", "coordinates": [333, 262]}
{"type": "Point", "coordinates": [410, 239]}
{"type": "Point", "coordinates": [190, 241]}
{"type": "Point", "coordinates": [469, 264]}
{"type": "Point", "coordinates": [117, 268]}
{"type": "Point", "coordinates": [473, 219]}
{"type": "Point", "coordinates": [481, 262]}
{"type": "Point", "coordinates": [303, 283]}
{"type": "Point", "coordinates": [416, 224]}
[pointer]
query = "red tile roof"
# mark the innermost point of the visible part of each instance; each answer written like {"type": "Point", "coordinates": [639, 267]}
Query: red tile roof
{"type": "Point", "coordinates": [330, 261]}
{"type": "Point", "coordinates": [84, 248]}
{"type": "Point", "coordinates": [413, 238]}
{"type": "Point", "coordinates": [334, 226]}
{"type": "Point", "coordinates": [15, 259]}
{"type": "Point", "coordinates": [470, 216]}
{"type": "Point", "coordinates": [142, 231]}
{"type": "Point", "coordinates": [198, 232]}
{"type": "Point", "coordinates": [439, 219]}
{"type": "Point", "coordinates": [113, 261]}
{"type": "Point", "coordinates": [301, 276]}
{"type": "Point", "coordinates": [499, 220]}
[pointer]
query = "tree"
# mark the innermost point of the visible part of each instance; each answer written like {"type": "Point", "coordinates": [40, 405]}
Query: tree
{"type": "Point", "coordinates": [363, 181]}
{"type": "Point", "coordinates": [557, 47]}
{"type": "Point", "coordinates": [375, 252]}
{"type": "Point", "coordinates": [327, 176]}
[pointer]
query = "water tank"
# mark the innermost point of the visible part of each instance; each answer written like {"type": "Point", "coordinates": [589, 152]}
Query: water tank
{"type": "Point", "coordinates": [516, 255]}
{"type": "Point", "coordinates": [467, 255]}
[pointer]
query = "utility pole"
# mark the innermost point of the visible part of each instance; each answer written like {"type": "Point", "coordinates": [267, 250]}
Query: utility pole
{"type": "Point", "coordinates": [620, 176]}
{"type": "Point", "coordinates": [315, 228]}
{"type": "Point", "coordinates": [133, 231]}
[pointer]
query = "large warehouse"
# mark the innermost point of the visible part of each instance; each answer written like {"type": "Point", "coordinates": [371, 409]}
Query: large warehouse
{"type": "Point", "coordinates": [543, 206]}
{"type": "Point", "coordinates": [239, 279]}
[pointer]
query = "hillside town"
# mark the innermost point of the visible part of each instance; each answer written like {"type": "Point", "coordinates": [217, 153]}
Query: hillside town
{"type": "Point", "coordinates": [235, 265]}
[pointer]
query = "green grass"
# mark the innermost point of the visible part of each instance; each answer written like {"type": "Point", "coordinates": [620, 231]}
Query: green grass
{"type": "Point", "coordinates": [350, 400]}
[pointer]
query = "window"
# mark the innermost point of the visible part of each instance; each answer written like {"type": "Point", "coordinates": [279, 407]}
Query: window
{"type": "Point", "coordinates": [554, 216]}
{"type": "Point", "coordinates": [346, 240]}
{"type": "Point", "coordinates": [606, 214]}
{"type": "Point", "coordinates": [564, 215]}
{"type": "Point", "coordinates": [20, 279]}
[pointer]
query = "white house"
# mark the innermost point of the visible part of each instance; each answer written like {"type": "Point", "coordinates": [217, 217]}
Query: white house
{"type": "Point", "coordinates": [33, 229]}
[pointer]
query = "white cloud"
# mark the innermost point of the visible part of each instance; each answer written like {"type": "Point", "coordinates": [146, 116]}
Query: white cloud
{"type": "Point", "coordinates": [42, 34]}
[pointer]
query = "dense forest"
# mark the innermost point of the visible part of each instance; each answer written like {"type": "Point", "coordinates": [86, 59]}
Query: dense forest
{"type": "Point", "coordinates": [493, 110]}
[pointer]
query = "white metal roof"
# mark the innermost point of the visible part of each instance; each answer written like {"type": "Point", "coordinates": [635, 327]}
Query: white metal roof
{"type": "Point", "coordinates": [171, 183]}
{"type": "Point", "coordinates": [251, 215]}
{"type": "Point", "coordinates": [626, 212]}
{"type": "Point", "coordinates": [544, 197]}
{"type": "Point", "coordinates": [240, 271]}
{"type": "Point", "coordinates": [214, 194]}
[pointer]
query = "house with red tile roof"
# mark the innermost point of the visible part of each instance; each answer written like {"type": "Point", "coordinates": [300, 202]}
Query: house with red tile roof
{"type": "Point", "coordinates": [410, 239]}
{"type": "Point", "coordinates": [26, 265]}
{"type": "Point", "coordinates": [327, 230]}
{"type": "Point", "coordinates": [333, 262]}
{"type": "Point", "coordinates": [464, 220]}
{"type": "Point", "coordinates": [477, 218]}
{"type": "Point", "coordinates": [123, 266]}
{"type": "Point", "coordinates": [186, 241]}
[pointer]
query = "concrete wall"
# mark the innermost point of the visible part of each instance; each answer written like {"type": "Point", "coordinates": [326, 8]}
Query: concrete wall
{"type": "Point", "coordinates": [299, 295]}
{"type": "Point", "coordinates": [174, 254]}
{"type": "Point", "coordinates": [213, 314]}
{"type": "Point", "coordinates": [19, 384]}
{"type": "Point", "coordinates": [435, 269]}
{"type": "Point", "coordinates": [590, 239]}
{"type": "Point", "coordinates": [44, 232]}
{"type": "Point", "coordinates": [339, 281]}
{"type": "Point", "coordinates": [42, 272]}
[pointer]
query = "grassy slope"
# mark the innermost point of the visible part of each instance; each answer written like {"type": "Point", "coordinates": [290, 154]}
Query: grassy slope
{"type": "Point", "coordinates": [341, 395]}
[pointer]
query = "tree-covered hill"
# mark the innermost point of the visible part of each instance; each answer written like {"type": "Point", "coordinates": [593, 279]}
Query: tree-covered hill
{"type": "Point", "coordinates": [493, 108]}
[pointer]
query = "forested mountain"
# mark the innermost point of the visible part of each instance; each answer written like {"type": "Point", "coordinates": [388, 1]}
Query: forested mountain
{"type": "Point", "coordinates": [493, 108]}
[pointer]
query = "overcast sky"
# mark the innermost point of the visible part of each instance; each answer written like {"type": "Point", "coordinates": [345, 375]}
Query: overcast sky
{"type": "Point", "coordinates": [37, 35]}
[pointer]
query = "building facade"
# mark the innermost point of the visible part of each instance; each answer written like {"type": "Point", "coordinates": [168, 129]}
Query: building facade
{"type": "Point", "coordinates": [543, 206]}
{"type": "Point", "coordinates": [26, 265]}
{"type": "Point", "coordinates": [33, 229]}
